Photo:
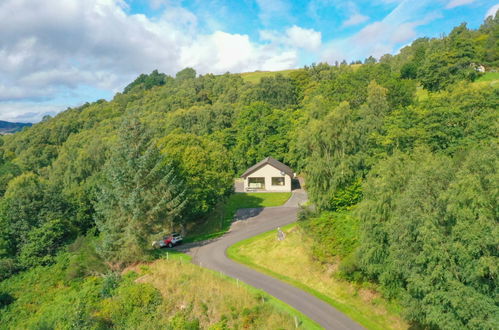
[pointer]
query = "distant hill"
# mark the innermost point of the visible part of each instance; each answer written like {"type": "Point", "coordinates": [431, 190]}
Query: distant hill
{"type": "Point", "coordinates": [10, 128]}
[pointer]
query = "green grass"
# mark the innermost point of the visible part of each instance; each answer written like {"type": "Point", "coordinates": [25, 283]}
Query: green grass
{"type": "Point", "coordinates": [303, 320]}
{"type": "Point", "coordinates": [254, 77]}
{"type": "Point", "coordinates": [166, 293]}
{"type": "Point", "coordinates": [489, 76]}
{"type": "Point", "coordinates": [287, 261]}
{"type": "Point", "coordinates": [221, 219]}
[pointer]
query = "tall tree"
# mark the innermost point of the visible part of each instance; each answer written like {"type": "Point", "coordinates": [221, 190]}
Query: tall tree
{"type": "Point", "coordinates": [141, 194]}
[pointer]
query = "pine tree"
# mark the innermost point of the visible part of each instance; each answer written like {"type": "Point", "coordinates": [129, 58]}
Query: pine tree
{"type": "Point", "coordinates": [141, 195]}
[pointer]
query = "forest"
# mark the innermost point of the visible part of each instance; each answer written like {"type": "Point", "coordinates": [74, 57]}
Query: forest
{"type": "Point", "coordinates": [402, 151]}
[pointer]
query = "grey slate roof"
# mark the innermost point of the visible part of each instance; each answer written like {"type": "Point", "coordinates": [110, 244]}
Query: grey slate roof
{"type": "Point", "coordinates": [271, 161]}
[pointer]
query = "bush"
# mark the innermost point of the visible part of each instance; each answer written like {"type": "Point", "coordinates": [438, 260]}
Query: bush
{"type": "Point", "coordinates": [43, 244]}
{"type": "Point", "coordinates": [84, 260]}
{"type": "Point", "coordinates": [111, 282]}
{"type": "Point", "coordinates": [7, 268]}
{"type": "Point", "coordinates": [335, 234]}
{"type": "Point", "coordinates": [131, 306]}
{"type": "Point", "coordinates": [5, 299]}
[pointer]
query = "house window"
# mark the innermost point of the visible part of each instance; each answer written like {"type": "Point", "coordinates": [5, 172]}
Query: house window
{"type": "Point", "coordinates": [278, 181]}
{"type": "Point", "coordinates": [256, 183]}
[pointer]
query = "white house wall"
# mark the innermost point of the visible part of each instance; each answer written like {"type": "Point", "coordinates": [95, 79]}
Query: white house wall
{"type": "Point", "coordinates": [268, 172]}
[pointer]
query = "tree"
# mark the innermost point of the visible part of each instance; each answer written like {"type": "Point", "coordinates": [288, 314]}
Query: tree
{"type": "Point", "coordinates": [185, 74]}
{"type": "Point", "coordinates": [141, 195]}
{"type": "Point", "coordinates": [206, 167]}
{"type": "Point", "coordinates": [429, 235]}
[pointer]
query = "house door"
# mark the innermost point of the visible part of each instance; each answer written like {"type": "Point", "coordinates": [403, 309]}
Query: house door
{"type": "Point", "coordinates": [256, 183]}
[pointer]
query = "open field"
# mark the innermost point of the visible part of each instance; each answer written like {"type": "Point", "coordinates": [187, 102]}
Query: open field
{"type": "Point", "coordinates": [290, 261]}
{"type": "Point", "coordinates": [219, 222]}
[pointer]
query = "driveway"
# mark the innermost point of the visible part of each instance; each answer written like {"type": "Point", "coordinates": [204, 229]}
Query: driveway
{"type": "Point", "coordinates": [212, 255]}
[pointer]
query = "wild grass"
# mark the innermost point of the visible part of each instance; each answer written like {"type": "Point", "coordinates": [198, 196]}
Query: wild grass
{"type": "Point", "coordinates": [213, 296]}
{"type": "Point", "coordinates": [169, 293]}
{"type": "Point", "coordinates": [219, 222]}
{"type": "Point", "coordinates": [290, 261]}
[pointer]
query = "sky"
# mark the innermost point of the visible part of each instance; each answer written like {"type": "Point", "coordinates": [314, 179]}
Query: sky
{"type": "Point", "coordinates": [57, 54]}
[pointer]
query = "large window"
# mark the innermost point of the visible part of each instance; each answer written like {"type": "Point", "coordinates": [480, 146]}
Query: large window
{"type": "Point", "coordinates": [278, 181]}
{"type": "Point", "coordinates": [256, 183]}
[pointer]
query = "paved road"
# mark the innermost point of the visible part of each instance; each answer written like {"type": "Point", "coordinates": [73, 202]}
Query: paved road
{"type": "Point", "coordinates": [212, 255]}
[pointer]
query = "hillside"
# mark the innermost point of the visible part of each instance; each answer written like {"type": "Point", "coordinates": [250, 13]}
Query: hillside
{"type": "Point", "coordinates": [399, 154]}
{"type": "Point", "coordinates": [9, 128]}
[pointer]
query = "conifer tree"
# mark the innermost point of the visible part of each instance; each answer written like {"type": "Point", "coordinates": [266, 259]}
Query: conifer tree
{"type": "Point", "coordinates": [141, 195]}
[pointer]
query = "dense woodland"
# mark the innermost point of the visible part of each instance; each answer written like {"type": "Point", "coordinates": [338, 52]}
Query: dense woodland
{"type": "Point", "coordinates": [399, 154]}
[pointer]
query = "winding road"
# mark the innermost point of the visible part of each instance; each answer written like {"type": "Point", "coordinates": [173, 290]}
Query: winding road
{"type": "Point", "coordinates": [211, 254]}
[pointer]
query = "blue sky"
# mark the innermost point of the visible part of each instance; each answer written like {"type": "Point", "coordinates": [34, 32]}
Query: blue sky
{"type": "Point", "coordinates": [57, 54]}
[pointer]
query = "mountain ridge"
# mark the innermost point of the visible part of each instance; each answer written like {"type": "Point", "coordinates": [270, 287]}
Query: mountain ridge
{"type": "Point", "coordinates": [7, 127]}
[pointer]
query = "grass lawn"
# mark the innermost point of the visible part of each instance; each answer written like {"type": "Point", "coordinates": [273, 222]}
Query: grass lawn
{"type": "Point", "coordinates": [219, 222]}
{"type": "Point", "coordinates": [290, 261]}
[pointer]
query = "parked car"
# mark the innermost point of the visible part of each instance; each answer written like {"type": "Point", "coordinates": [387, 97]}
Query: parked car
{"type": "Point", "coordinates": [168, 241]}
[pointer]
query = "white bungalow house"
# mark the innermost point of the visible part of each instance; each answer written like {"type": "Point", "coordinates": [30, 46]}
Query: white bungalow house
{"type": "Point", "coordinates": [268, 175]}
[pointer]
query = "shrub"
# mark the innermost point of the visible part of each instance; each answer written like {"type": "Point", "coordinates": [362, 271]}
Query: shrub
{"type": "Point", "coordinates": [334, 234]}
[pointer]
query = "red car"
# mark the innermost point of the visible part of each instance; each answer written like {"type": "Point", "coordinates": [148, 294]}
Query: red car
{"type": "Point", "coordinates": [168, 241]}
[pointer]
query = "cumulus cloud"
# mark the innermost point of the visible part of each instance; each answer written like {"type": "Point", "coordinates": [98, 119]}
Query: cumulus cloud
{"type": "Point", "coordinates": [492, 11]}
{"type": "Point", "coordinates": [458, 3]}
{"type": "Point", "coordinates": [295, 37]}
{"type": "Point", "coordinates": [49, 46]}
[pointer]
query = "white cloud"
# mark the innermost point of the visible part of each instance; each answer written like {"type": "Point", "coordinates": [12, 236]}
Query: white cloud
{"type": "Point", "coordinates": [48, 47]}
{"type": "Point", "coordinates": [294, 37]}
{"type": "Point", "coordinates": [27, 112]}
{"type": "Point", "coordinates": [381, 37]}
{"type": "Point", "coordinates": [271, 9]}
{"type": "Point", "coordinates": [458, 3]}
{"type": "Point", "coordinates": [492, 11]}
{"type": "Point", "coordinates": [355, 19]}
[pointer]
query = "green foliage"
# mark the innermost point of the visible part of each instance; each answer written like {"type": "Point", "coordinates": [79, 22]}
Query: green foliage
{"type": "Point", "coordinates": [277, 91]}
{"type": "Point", "coordinates": [31, 217]}
{"type": "Point", "coordinates": [361, 138]}
{"type": "Point", "coordinates": [145, 82]}
{"type": "Point", "coordinates": [261, 132]}
{"type": "Point", "coordinates": [334, 234]}
{"type": "Point", "coordinates": [84, 259]}
{"type": "Point", "coordinates": [430, 235]}
{"type": "Point", "coordinates": [141, 195]}
{"type": "Point", "coordinates": [43, 243]}
{"type": "Point", "coordinates": [187, 73]}
{"type": "Point", "coordinates": [206, 166]}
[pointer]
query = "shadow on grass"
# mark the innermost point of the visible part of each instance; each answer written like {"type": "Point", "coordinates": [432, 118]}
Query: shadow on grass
{"type": "Point", "coordinates": [5, 299]}
{"type": "Point", "coordinates": [224, 214]}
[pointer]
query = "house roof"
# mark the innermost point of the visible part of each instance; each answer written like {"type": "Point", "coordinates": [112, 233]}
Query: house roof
{"type": "Point", "coordinates": [270, 161]}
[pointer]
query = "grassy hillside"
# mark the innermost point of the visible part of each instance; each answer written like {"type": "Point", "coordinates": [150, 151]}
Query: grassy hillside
{"type": "Point", "coordinates": [405, 146]}
{"type": "Point", "coordinates": [287, 259]}
{"type": "Point", "coordinates": [168, 293]}
{"type": "Point", "coordinates": [255, 77]}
